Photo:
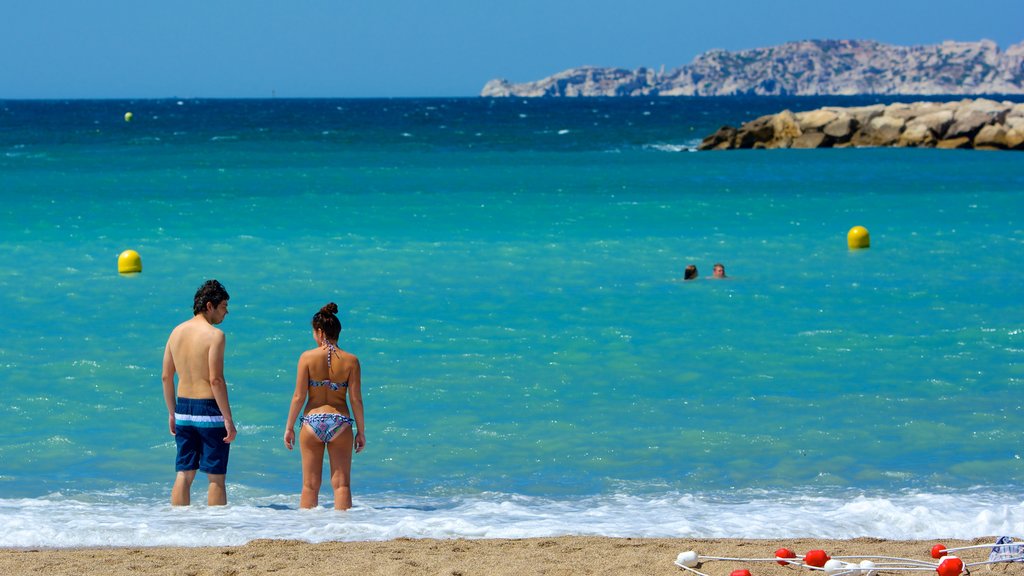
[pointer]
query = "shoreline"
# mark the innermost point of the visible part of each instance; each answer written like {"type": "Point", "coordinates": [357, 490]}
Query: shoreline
{"type": "Point", "coordinates": [462, 557]}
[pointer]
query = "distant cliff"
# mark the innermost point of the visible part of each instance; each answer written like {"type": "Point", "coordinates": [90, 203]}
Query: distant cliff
{"type": "Point", "coordinates": [807, 68]}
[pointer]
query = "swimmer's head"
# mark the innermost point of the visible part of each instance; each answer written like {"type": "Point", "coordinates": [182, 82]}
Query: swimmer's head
{"type": "Point", "coordinates": [211, 292]}
{"type": "Point", "coordinates": [326, 320]}
{"type": "Point", "coordinates": [719, 271]}
{"type": "Point", "coordinates": [690, 273]}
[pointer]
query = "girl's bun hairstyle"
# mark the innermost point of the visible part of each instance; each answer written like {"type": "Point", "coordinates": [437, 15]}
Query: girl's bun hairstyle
{"type": "Point", "coordinates": [327, 321]}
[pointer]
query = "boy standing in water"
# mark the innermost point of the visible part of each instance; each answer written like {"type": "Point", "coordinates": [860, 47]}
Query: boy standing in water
{"type": "Point", "coordinates": [200, 416]}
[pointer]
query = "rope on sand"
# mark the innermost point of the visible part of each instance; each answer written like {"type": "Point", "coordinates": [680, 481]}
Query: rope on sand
{"type": "Point", "coordinates": [945, 564]}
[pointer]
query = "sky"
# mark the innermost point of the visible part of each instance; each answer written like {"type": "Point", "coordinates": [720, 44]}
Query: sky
{"type": "Point", "coordinates": [52, 49]}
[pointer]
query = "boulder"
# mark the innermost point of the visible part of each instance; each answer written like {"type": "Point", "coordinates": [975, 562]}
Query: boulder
{"type": "Point", "coordinates": [972, 116]}
{"type": "Point", "coordinates": [901, 110]}
{"type": "Point", "coordinates": [961, 142]}
{"type": "Point", "coordinates": [936, 122]}
{"type": "Point", "coordinates": [968, 124]}
{"type": "Point", "coordinates": [1014, 122]}
{"type": "Point", "coordinates": [865, 114]}
{"type": "Point", "coordinates": [880, 131]}
{"type": "Point", "coordinates": [812, 140]}
{"type": "Point", "coordinates": [991, 137]}
{"type": "Point", "coordinates": [759, 130]}
{"type": "Point", "coordinates": [722, 139]}
{"type": "Point", "coordinates": [915, 110]}
{"type": "Point", "coordinates": [1015, 139]}
{"type": "Point", "coordinates": [917, 136]}
{"type": "Point", "coordinates": [815, 119]}
{"type": "Point", "coordinates": [985, 105]}
{"type": "Point", "coordinates": [842, 128]}
{"type": "Point", "coordinates": [785, 129]}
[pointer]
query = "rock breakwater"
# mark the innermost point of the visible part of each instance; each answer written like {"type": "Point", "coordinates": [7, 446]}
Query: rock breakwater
{"type": "Point", "coordinates": [972, 123]}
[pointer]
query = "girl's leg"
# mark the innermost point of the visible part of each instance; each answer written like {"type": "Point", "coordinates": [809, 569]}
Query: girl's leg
{"type": "Point", "coordinates": [312, 467]}
{"type": "Point", "coordinates": [340, 451]}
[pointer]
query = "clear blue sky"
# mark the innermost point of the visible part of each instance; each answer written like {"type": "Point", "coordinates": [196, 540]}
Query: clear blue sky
{"type": "Point", "coordinates": [401, 48]}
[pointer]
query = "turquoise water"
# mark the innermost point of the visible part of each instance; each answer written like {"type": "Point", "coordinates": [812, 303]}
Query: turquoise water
{"type": "Point", "coordinates": [508, 273]}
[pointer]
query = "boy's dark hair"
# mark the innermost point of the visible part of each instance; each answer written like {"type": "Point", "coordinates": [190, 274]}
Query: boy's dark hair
{"type": "Point", "coordinates": [211, 291]}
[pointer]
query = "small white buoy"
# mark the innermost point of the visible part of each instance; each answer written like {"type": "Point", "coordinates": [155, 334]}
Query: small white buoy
{"type": "Point", "coordinates": [688, 558]}
{"type": "Point", "coordinates": [834, 566]}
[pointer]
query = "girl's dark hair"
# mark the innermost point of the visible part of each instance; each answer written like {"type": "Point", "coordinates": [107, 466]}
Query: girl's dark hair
{"type": "Point", "coordinates": [211, 291]}
{"type": "Point", "coordinates": [327, 321]}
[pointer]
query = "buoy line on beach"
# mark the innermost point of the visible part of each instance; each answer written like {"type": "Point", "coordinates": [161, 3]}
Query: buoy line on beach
{"type": "Point", "coordinates": [945, 563]}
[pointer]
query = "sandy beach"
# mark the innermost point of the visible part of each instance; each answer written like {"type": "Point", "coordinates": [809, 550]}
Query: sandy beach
{"type": "Point", "coordinates": [568, 555]}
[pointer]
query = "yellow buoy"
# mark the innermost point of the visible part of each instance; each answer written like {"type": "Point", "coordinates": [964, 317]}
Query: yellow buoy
{"type": "Point", "coordinates": [858, 237]}
{"type": "Point", "coordinates": [129, 262]}
{"type": "Point", "coordinates": [128, 116]}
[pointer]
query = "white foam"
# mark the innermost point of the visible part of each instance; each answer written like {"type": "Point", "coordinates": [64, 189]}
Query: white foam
{"type": "Point", "coordinates": [114, 520]}
{"type": "Point", "coordinates": [690, 147]}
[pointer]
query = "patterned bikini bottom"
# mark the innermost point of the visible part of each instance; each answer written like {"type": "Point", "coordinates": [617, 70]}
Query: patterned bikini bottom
{"type": "Point", "coordinates": [327, 425]}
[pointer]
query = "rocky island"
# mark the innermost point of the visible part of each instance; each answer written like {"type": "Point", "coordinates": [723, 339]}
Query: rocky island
{"type": "Point", "coordinates": [806, 68]}
{"type": "Point", "coordinates": [970, 123]}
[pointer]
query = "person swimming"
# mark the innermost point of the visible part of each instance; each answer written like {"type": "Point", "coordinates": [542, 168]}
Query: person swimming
{"type": "Point", "coordinates": [327, 380]}
{"type": "Point", "coordinates": [690, 273]}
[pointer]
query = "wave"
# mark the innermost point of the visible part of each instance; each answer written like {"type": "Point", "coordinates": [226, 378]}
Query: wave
{"type": "Point", "coordinates": [690, 146]}
{"type": "Point", "coordinates": [116, 520]}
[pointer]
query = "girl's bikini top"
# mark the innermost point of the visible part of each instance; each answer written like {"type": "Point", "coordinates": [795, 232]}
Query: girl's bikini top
{"type": "Point", "coordinates": [332, 385]}
{"type": "Point", "coordinates": [331, 350]}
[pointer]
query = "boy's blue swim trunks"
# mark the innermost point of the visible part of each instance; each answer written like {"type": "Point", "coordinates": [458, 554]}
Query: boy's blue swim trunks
{"type": "Point", "coordinates": [199, 433]}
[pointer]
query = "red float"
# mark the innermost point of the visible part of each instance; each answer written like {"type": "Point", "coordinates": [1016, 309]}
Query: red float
{"type": "Point", "coordinates": [817, 558]}
{"type": "Point", "coordinates": [950, 566]}
{"type": "Point", "coordinates": [784, 553]}
{"type": "Point", "coordinates": [938, 551]}
{"type": "Point", "coordinates": [740, 572]}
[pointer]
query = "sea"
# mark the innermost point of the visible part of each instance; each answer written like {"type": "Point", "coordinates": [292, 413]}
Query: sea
{"type": "Point", "coordinates": [509, 272]}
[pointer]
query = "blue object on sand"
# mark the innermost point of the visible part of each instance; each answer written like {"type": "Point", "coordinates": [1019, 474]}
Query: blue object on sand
{"type": "Point", "coordinates": [1009, 552]}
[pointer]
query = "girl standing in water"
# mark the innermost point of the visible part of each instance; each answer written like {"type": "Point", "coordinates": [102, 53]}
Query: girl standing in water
{"type": "Point", "coordinates": [327, 381]}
